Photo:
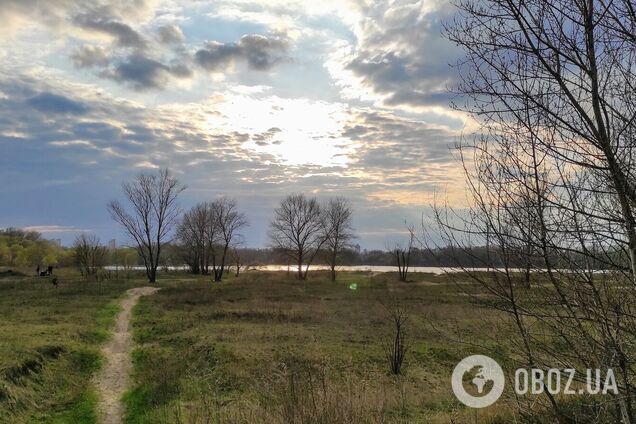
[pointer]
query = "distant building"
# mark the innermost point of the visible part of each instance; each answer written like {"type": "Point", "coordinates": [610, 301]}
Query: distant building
{"type": "Point", "coordinates": [57, 242]}
{"type": "Point", "coordinates": [112, 244]}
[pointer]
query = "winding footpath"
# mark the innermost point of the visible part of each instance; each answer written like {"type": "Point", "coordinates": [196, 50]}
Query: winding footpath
{"type": "Point", "coordinates": [113, 379]}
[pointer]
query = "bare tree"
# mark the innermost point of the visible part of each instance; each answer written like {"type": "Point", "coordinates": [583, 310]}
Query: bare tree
{"type": "Point", "coordinates": [337, 216]}
{"type": "Point", "coordinates": [298, 231]}
{"type": "Point", "coordinates": [236, 259]}
{"type": "Point", "coordinates": [229, 221]}
{"type": "Point", "coordinates": [198, 235]}
{"type": "Point", "coordinates": [402, 254]}
{"type": "Point", "coordinates": [551, 173]}
{"type": "Point", "coordinates": [89, 253]}
{"type": "Point", "coordinates": [152, 200]}
{"type": "Point", "coordinates": [207, 232]}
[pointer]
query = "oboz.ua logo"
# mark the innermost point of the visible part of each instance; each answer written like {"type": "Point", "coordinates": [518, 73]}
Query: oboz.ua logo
{"type": "Point", "coordinates": [478, 381]}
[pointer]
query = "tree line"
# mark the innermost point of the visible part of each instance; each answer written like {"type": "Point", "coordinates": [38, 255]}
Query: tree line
{"type": "Point", "coordinates": [20, 248]}
{"type": "Point", "coordinates": [207, 234]}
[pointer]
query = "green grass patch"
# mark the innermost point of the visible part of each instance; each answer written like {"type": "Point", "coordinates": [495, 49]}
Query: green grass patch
{"type": "Point", "coordinates": [80, 411]}
{"type": "Point", "coordinates": [49, 345]}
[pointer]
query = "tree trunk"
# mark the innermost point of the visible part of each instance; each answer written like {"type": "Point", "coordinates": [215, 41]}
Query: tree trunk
{"type": "Point", "coordinates": [334, 257]}
{"type": "Point", "coordinates": [300, 269]}
{"type": "Point", "coordinates": [220, 275]}
{"type": "Point", "coordinates": [152, 276]}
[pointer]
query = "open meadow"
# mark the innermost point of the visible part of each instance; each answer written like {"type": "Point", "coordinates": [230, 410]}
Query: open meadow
{"type": "Point", "coordinates": [261, 348]}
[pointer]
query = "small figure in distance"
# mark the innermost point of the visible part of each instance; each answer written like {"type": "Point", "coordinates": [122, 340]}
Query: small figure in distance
{"type": "Point", "coordinates": [49, 270]}
{"type": "Point", "coordinates": [37, 271]}
{"type": "Point", "coordinates": [54, 282]}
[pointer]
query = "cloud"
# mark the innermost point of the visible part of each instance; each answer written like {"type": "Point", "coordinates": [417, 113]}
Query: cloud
{"type": "Point", "coordinates": [264, 138]}
{"type": "Point", "coordinates": [90, 56]}
{"type": "Point", "coordinates": [400, 54]}
{"type": "Point", "coordinates": [402, 160]}
{"type": "Point", "coordinates": [144, 73]}
{"type": "Point", "coordinates": [146, 165]}
{"type": "Point", "coordinates": [51, 103]}
{"type": "Point", "coordinates": [170, 34]}
{"type": "Point", "coordinates": [124, 35]}
{"type": "Point", "coordinates": [261, 52]}
{"type": "Point", "coordinates": [52, 229]}
{"type": "Point", "coordinates": [19, 15]}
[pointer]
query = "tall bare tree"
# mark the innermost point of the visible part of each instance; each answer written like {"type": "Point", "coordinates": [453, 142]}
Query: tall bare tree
{"type": "Point", "coordinates": [551, 174]}
{"type": "Point", "coordinates": [196, 233]}
{"type": "Point", "coordinates": [152, 201]}
{"type": "Point", "coordinates": [229, 221]}
{"type": "Point", "coordinates": [298, 231]}
{"type": "Point", "coordinates": [207, 232]}
{"type": "Point", "coordinates": [337, 216]}
{"type": "Point", "coordinates": [89, 253]}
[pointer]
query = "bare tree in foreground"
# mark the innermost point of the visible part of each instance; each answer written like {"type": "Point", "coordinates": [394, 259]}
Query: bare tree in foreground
{"type": "Point", "coordinates": [89, 253]}
{"type": "Point", "coordinates": [152, 213]}
{"type": "Point", "coordinates": [298, 231]}
{"type": "Point", "coordinates": [552, 180]}
{"type": "Point", "coordinates": [337, 216]}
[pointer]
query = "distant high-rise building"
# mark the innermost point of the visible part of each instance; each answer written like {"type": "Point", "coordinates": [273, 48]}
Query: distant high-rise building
{"type": "Point", "coordinates": [112, 244]}
{"type": "Point", "coordinates": [57, 242]}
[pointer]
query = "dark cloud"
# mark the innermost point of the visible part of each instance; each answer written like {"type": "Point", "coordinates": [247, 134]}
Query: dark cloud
{"type": "Point", "coordinates": [170, 34]}
{"type": "Point", "coordinates": [90, 56]}
{"type": "Point", "coordinates": [265, 138]}
{"type": "Point", "coordinates": [51, 103]}
{"type": "Point", "coordinates": [404, 79]}
{"type": "Point", "coordinates": [393, 146]}
{"type": "Point", "coordinates": [259, 51]}
{"type": "Point", "coordinates": [403, 55]}
{"type": "Point", "coordinates": [144, 73]}
{"type": "Point", "coordinates": [125, 35]}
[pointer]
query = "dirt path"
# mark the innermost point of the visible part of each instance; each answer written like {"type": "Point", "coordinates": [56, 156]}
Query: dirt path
{"type": "Point", "coordinates": [112, 381]}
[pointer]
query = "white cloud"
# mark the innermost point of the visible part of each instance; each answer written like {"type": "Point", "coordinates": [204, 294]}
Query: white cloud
{"type": "Point", "coordinates": [52, 229]}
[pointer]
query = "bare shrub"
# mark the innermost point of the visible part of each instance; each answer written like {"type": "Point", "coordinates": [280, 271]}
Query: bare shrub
{"type": "Point", "coordinates": [396, 347]}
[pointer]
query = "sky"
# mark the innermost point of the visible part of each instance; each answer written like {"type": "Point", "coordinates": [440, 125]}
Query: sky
{"type": "Point", "coordinates": [249, 99]}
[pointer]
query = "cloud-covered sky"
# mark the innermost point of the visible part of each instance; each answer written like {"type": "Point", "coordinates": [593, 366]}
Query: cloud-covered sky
{"type": "Point", "coordinates": [250, 99]}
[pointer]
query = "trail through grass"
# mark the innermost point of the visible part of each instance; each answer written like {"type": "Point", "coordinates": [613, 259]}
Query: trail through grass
{"type": "Point", "coordinates": [49, 346]}
{"type": "Point", "coordinates": [112, 381]}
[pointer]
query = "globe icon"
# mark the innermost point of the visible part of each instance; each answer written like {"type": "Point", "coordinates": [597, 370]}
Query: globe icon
{"type": "Point", "coordinates": [479, 377]}
{"type": "Point", "coordinates": [478, 381]}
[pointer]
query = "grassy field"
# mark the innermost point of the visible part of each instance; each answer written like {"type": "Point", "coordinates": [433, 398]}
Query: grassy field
{"type": "Point", "coordinates": [261, 348]}
{"type": "Point", "coordinates": [49, 346]}
{"type": "Point", "coordinates": [265, 348]}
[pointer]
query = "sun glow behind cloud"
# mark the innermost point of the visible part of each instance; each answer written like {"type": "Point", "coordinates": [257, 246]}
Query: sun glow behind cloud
{"type": "Point", "coordinates": [295, 131]}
